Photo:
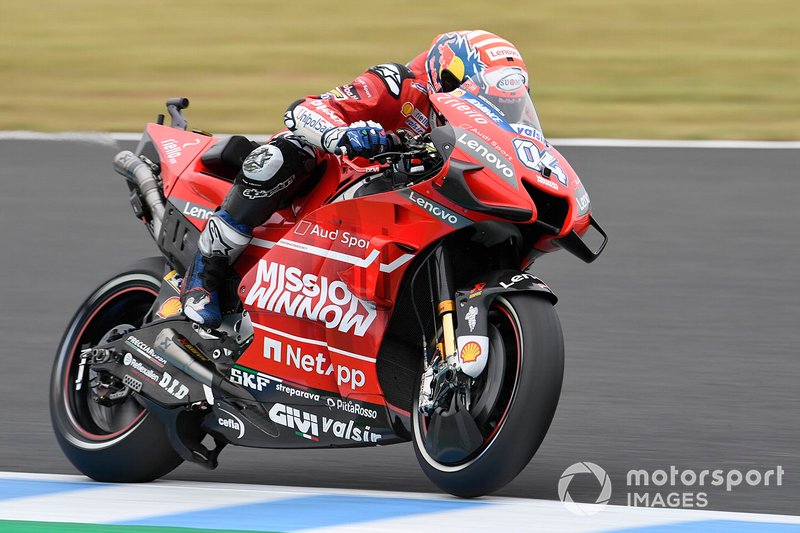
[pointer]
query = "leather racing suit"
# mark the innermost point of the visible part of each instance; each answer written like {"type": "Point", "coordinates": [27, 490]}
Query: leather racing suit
{"type": "Point", "coordinates": [391, 94]}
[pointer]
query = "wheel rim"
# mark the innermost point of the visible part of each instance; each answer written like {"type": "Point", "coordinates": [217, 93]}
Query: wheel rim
{"type": "Point", "coordinates": [493, 392]}
{"type": "Point", "coordinates": [125, 301]}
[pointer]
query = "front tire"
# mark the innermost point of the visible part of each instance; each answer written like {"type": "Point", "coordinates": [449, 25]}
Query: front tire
{"type": "Point", "coordinates": [122, 443]}
{"type": "Point", "coordinates": [527, 344]}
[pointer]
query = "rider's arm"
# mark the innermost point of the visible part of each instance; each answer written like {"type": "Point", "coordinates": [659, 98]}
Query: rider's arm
{"type": "Point", "coordinates": [322, 120]}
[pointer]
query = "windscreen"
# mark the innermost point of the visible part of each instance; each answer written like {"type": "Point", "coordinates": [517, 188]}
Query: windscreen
{"type": "Point", "coordinates": [506, 90]}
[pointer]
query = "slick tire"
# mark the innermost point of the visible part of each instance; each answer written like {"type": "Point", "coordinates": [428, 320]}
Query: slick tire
{"type": "Point", "coordinates": [526, 334]}
{"type": "Point", "coordinates": [123, 443]}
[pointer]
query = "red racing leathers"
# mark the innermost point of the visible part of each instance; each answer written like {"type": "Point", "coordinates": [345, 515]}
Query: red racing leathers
{"type": "Point", "coordinates": [391, 94]}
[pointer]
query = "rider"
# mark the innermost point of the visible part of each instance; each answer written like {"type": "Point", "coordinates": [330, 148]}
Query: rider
{"type": "Point", "coordinates": [354, 117]}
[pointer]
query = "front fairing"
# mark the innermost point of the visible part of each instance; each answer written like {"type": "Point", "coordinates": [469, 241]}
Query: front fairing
{"type": "Point", "coordinates": [517, 162]}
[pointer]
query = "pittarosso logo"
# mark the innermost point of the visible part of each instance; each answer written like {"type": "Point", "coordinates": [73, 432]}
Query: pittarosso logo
{"type": "Point", "coordinates": [287, 290]}
{"type": "Point", "coordinates": [350, 406]}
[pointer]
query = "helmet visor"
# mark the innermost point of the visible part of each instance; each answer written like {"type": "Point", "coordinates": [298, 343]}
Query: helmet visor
{"type": "Point", "coordinates": [506, 88]}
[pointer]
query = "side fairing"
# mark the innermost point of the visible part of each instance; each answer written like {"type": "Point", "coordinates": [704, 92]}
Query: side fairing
{"type": "Point", "coordinates": [322, 294]}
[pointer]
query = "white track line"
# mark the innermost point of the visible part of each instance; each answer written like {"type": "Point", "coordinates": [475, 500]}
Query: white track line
{"type": "Point", "coordinates": [128, 502]}
{"type": "Point", "coordinates": [111, 138]}
{"type": "Point", "coordinates": [120, 503]}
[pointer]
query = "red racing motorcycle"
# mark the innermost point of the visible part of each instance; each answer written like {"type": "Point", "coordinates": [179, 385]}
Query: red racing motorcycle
{"type": "Point", "coordinates": [393, 301]}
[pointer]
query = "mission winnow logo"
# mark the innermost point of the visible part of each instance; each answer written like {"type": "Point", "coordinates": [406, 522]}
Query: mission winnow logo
{"type": "Point", "coordinates": [290, 291]}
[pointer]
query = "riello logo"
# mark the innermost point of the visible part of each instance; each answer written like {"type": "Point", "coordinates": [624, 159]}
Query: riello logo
{"type": "Point", "coordinates": [288, 291]}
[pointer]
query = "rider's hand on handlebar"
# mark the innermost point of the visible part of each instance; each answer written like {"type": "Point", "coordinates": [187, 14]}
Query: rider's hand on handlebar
{"type": "Point", "coordinates": [364, 139]}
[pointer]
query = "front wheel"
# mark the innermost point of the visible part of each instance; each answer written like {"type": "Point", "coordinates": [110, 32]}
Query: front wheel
{"type": "Point", "coordinates": [120, 443]}
{"type": "Point", "coordinates": [513, 401]}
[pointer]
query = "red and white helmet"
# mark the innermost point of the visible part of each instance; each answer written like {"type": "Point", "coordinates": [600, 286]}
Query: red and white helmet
{"type": "Point", "coordinates": [457, 56]}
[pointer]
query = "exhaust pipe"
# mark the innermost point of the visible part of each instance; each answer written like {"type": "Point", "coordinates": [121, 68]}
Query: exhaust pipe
{"type": "Point", "coordinates": [136, 171]}
{"type": "Point", "coordinates": [169, 343]}
{"type": "Point", "coordinates": [170, 346]}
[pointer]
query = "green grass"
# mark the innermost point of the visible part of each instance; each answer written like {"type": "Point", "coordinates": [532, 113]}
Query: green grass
{"type": "Point", "coordinates": [691, 69]}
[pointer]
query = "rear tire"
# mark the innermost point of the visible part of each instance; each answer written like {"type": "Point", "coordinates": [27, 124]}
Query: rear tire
{"type": "Point", "coordinates": [526, 333]}
{"type": "Point", "coordinates": [122, 443]}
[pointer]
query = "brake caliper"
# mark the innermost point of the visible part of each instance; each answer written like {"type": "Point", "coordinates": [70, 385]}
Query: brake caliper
{"type": "Point", "coordinates": [439, 381]}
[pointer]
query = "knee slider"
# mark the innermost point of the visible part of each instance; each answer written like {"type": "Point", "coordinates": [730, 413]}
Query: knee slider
{"type": "Point", "coordinates": [269, 175]}
{"type": "Point", "coordinates": [263, 163]}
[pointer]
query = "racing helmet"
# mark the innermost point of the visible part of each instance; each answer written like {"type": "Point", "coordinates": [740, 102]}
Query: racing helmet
{"type": "Point", "coordinates": [507, 89]}
{"type": "Point", "coordinates": [456, 56]}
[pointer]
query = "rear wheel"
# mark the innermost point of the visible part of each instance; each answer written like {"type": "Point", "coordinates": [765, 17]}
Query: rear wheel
{"type": "Point", "coordinates": [120, 443]}
{"type": "Point", "coordinates": [512, 401]}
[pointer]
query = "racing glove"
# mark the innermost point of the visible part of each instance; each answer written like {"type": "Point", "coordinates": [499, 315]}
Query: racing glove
{"type": "Point", "coordinates": [364, 139]}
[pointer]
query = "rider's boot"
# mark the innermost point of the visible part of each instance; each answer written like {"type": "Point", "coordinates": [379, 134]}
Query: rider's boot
{"type": "Point", "coordinates": [270, 175]}
{"type": "Point", "coordinates": [220, 243]}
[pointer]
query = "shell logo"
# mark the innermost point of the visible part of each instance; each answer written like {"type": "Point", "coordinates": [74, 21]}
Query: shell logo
{"type": "Point", "coordinates": [470, 352]}
{"type": "Point", "coordinates": [407, 109]}
{"type": "Point", "coordinates": [170, 307]}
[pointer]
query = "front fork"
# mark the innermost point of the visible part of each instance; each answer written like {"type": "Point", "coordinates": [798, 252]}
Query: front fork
{"type": "Point", "coordinates": [446, 307]}
{"type": "Point", "coordinates": [440, 376]}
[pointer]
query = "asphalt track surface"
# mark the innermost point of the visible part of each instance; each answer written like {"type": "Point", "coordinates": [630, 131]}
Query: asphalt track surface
{"type": "Point", "coordinates": [682, 339]}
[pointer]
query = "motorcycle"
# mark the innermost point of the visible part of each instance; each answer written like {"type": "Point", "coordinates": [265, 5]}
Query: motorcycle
{"type": "Point", "coordinates": [393, 300]}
